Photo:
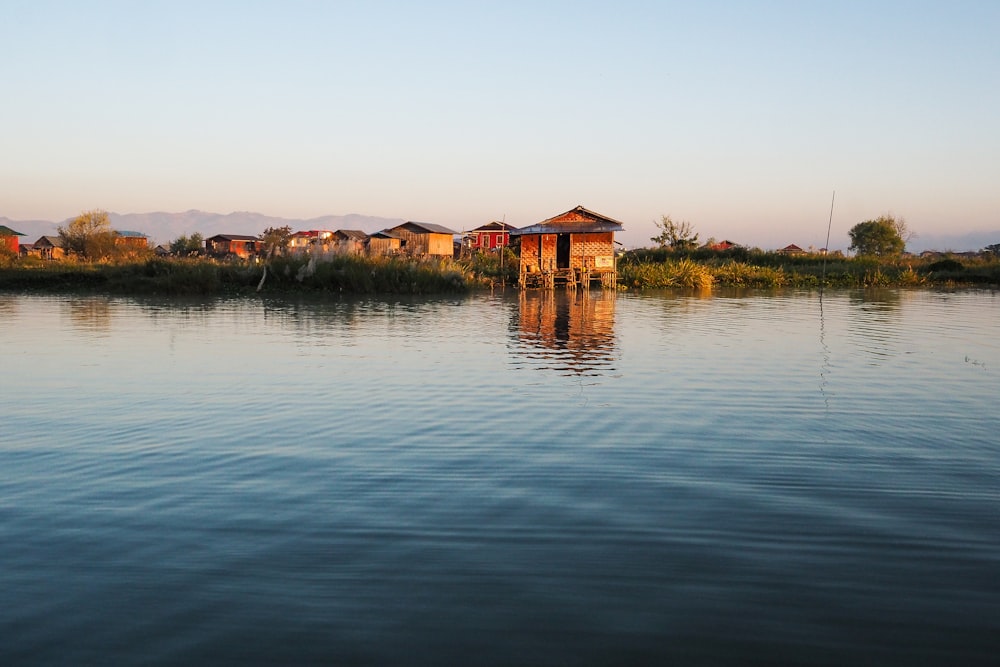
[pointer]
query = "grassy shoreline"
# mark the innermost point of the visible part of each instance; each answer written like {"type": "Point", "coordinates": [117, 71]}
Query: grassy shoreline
{"type": "Point", "coordinates": [637, 270]}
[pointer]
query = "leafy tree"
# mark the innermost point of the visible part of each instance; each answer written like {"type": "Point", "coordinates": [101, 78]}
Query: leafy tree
{"type": "Point", "coordinates": [993, 248]}
{"type": "Point", "coordinates": [675, 235]}
{"type": "Point", "coordinates": [89, 235]}
{"type": "Point", "coordinates": [276, 239]}
{"type": "Point", "coordinates": [880, 237]}
{"type": "Point", "coordinates": [188, 245]}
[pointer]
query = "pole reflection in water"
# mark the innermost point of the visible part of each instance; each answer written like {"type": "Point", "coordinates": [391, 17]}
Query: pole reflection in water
{"type": "Point", "coordinates": [571, 331]}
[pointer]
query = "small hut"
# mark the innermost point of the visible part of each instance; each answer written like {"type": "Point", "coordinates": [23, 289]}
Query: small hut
{"type": "Point", "coordinates": [572, 248]}
{"type": "Point", "coordinates": [131, 240]}
{"type": "Point", "coordinates": [349, 241]}
{"type": "Point", "coordinates": [425, 238]}
{"type": "Point", "coordinates": [49, 247]}
{"type": "Point", "coordinates": [791, 249]}
{"type": "Point", "coordinates": [228, 245]}
{"type": "Point", "coordinates": [384, 243]}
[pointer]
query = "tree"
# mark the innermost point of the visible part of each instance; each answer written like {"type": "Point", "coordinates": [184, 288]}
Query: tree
{"type": "Point", "coordinates": [276, 239]}
{"type": "Point", "coordinates": [675, 235]}
{"type": "Point", "coordinates": [993, 249]}
{"type": "Point", "coordinates": [187, 245]}
{"type": "Point", "coordinates": [880, 237]}
{"type": "Point", "coordinates": [89, 235]}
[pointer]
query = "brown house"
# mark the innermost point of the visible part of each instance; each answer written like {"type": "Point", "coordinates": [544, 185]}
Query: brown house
{"type": "Point", "coordinates": [228, 245]}
{"type": "Point", "coordinates": [349, 235]}
{"type": "Point", "coordinates": [384, 243]}
{"type": "Point", "coordinates": [349, 241]}
{"type": "Point", "coordinates": [574, 248]}
{"type": "Point", "coordinates": [792, 249]}
{"type": "Point", "coordinates": [132, 240]}
{"type": "Point", "coordinates": [49, 247]}
{"type": "Point", "coordinates": [424, 238]}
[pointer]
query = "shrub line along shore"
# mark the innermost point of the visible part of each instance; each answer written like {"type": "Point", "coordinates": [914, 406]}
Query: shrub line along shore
{"type": "Point", "coordinates": [637, 270]}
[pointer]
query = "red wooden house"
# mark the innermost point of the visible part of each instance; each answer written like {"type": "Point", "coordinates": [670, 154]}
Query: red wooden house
{"type": "Point", "coordinates": [490, 236]}
{"type": "Point", "coordinates": [9, 240]}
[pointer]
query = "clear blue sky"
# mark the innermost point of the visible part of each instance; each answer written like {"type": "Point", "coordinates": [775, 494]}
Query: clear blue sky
{"type": "Point", "coordinates": [740, 117]}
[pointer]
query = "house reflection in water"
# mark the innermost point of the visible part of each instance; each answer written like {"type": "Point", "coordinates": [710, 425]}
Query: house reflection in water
{"type": "Point", "coordinates": [570, 331]}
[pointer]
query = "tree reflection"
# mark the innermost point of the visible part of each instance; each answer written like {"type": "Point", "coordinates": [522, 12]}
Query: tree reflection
{"type": "Point", "coordinates": [90, 314]}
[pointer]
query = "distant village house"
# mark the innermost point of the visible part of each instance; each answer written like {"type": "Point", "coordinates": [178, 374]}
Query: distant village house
{"type": "Point", "coordinates": [384, 243]}
{"type": "Point", "coordinates": [425, 239]}
{"type": "Point", "coordinates": [300, 241]}
{"type": "Point", "coordinates": [230, 245]}
{"type": "Point", "coordinates": [792, 249]}
{"type": "Point", "coordinates": [9, 239]}
{"type": "Point", "coordinates": [490, 236]}
{"type": "Point", "coordinates": [131, 240]}
{"type": "Point", "coordinates": [49, 247]}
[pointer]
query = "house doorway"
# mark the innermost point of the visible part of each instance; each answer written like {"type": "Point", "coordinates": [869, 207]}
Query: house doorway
{"type": "Point", "coordinates": [562, 251]}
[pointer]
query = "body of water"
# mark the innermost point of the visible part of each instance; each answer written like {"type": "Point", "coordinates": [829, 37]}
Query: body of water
{"type": "Point", "coordinates": [516, 479]}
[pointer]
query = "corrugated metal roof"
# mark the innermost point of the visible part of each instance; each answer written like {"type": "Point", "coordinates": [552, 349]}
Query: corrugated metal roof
{"type": "Point", "coordinates": [596, 223]}
{"type": "Point", "coordinates": [7, 231]}
{"type": "Point", "coordinates": [494, 226]}
{"type": "Point", "coordinates": [384, 234]}
{"type": "Point", "coordinates": [125, 232]}
{"type": "Point", "coordinates": [54, 241]}
{"type": "Point", "coordinates": [352, 233]}
{"type": "Point", "coordinates": [429, 227]}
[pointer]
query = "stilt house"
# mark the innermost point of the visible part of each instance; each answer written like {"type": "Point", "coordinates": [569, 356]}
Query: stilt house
{"type": "Point", "coordinates": [572, 248]}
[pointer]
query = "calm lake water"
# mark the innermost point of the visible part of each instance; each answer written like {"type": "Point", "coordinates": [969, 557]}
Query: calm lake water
{"type": "Point", "coordinates": [756, 478]}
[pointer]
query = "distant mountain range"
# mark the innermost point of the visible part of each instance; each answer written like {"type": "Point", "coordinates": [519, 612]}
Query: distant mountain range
{"type": "Point", "coordinates": [163, 227]}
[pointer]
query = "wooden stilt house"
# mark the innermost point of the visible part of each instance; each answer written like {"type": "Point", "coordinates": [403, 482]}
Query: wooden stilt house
{"type": "Point", "coordinates": [573, 248]}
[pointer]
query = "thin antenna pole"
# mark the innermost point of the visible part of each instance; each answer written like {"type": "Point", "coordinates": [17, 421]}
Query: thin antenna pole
{"type": "Point", "coordinates": [827, 248]}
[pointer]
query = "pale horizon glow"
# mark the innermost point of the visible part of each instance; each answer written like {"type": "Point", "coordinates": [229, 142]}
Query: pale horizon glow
{"type": "Point", "coordinates": [742, 118]}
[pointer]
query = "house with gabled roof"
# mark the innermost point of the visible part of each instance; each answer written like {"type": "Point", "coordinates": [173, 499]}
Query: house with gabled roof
{"type": "Point", "coordinates": [49, 247]}
{"type": "Point", "coordinates": [350, 235]}
{"type": "Point", "coordinates": [491, 236]}
{"type": "Point", "coordinates": [721, 245]}
{"type": "Point", "coordinates": [383, 242]}
{"type": "Point", "coordinates": [233, 245]}
{"type": "Point", "coordinates": [425, 239]}
{"type": "Point", "coordinates": [349, 241]}
{"type": "Point", "coordinates": [9, 239]}
{"type": "Point", "coordinates": [792, 249]}
{"type": "Point", "coordinates": [574, 248]}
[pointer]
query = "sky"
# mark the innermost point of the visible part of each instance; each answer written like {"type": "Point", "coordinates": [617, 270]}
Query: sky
{"type": "Point", "coordinates": [742, 118]}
